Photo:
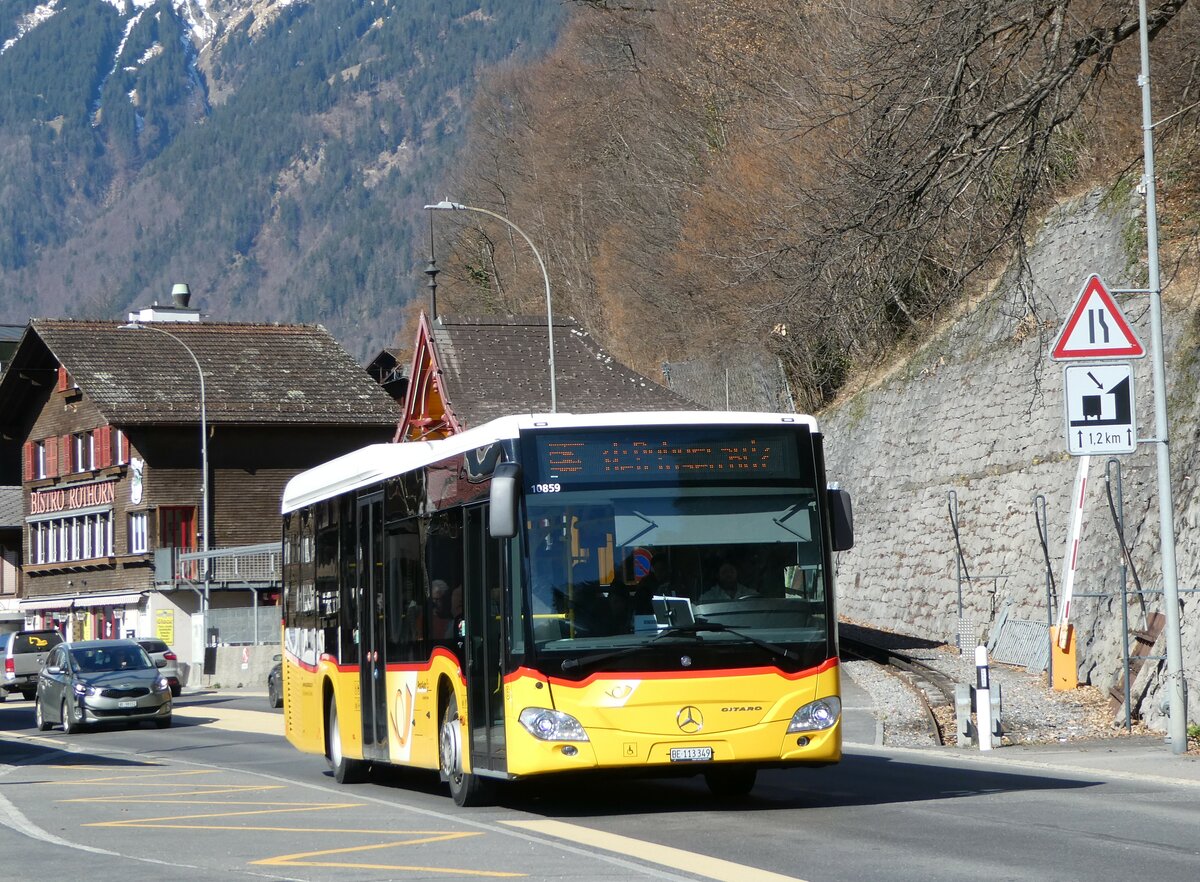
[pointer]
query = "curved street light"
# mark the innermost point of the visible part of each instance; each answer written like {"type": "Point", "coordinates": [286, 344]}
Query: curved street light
{"type": "Point", "coordinates": [446, 205]}
{"type": "Point", "coordinates": [143, 326]}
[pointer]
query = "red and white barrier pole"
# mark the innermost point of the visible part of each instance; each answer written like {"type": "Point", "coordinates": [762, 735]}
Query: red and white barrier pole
{"type": "Point", "coordinates": [1072, 558]}
{"type": "Point", "coordinates": [983, 699]}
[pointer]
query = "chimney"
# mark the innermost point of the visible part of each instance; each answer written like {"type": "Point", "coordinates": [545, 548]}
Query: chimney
{"type": "Point", "coordinates": [178, 311]}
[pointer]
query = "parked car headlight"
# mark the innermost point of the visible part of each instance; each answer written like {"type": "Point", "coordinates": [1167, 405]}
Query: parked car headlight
{"type": "Point", "coordinates": [81, 689]}
{"type": "Point", "coordinates": [551, 725]}
{"type": "Point", "coordinates": [816, 715]}
{"type": "Point", "coordinates": [161, 684]}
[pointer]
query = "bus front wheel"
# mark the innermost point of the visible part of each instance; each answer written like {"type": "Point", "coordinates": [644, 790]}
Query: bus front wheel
{"type": "Point", "coordinates": [467, 789]}
{"type": "Point", "coordinates": [345, 771]}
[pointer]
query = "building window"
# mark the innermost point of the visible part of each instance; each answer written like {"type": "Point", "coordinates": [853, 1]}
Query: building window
{"type": "Point", "coordinates": [84, 456]}
{"type": "Point", "coordinates": [83, 537]}
{"type": "Point", "coordinates": [39, 453]}
{"type": "Point", "coordinates": [138, 524]}
{"type": "Point", "coordinates": [120, 448]}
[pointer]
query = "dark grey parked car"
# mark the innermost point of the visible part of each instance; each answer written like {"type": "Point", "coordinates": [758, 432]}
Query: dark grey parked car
{"type": "Point", "coordinates": [275, 683]}
{"type": "Point", "coordinates": [100, 681]}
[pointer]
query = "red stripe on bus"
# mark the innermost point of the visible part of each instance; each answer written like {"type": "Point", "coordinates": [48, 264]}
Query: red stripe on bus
{"type": "Point", "coordinates": [826, 665]}
{"type": "Point", "coordinates": [397, 666]}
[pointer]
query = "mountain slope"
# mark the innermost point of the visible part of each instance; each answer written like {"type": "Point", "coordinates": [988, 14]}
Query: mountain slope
{"type": "Point", "coordinates": [274, 155]}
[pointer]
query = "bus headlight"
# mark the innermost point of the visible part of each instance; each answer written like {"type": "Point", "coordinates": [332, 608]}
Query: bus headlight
{"type": "Point", "coordinates": [816, 715]}
{"type": "Point", "coordinates": [551, 725]}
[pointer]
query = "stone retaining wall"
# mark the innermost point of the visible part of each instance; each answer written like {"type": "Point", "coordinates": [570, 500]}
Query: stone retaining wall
{"type": "Point", "coordinates": [978, 412]}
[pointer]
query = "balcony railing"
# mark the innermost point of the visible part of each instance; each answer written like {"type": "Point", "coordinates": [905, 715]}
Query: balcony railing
{"type": "Point", "coordinates": [241, 564]}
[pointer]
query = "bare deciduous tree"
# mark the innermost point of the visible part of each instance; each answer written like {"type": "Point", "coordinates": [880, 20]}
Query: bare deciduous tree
{"type": "Point", "coordinates": [817, 180]}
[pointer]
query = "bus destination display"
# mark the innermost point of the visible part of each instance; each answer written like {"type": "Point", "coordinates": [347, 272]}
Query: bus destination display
{"type": "Point", "coordinates": [662, 455]}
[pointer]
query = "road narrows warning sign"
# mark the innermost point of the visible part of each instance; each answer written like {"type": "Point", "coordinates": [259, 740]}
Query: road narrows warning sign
{"type": "Point", "coordinates": [1096, 328]}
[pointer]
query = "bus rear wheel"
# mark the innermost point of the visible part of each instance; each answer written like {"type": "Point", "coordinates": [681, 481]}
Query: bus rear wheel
{"type": "Point", "coordinates": [465, 788]}
{"type": "Point", "coordinates": [345, 771]}
{"type": "Point", "coordinates": [731, 783]}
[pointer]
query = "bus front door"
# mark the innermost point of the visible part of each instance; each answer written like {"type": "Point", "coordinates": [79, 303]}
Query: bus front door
{"type": "Point", "coordinates": [372, 656]}
{"type": "Point", "coordinates": [484, 647]}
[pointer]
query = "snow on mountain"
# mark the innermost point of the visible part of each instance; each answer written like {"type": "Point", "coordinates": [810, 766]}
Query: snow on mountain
{"type": "Point", "coordinates": [205, 19]}
{"type": "Point", "coordinates": [28, 22]}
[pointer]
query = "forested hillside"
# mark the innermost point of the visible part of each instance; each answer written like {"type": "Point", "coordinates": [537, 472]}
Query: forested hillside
{"type": "Point", "coordinates": [730, 181]}
{"type": "Point", "coordinates": [817, 181]}
{"type": "Point", "coordinates": [274, 155]}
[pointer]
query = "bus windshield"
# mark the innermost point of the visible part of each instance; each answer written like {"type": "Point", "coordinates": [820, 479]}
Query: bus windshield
{"type": "Point", "coordinates": [734, 572]}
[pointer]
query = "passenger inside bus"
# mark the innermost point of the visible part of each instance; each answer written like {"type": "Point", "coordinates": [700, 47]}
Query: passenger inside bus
{"type": "Point", "coordinates": [445, 618]}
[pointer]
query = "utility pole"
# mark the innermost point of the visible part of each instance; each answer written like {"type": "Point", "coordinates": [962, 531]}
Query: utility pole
{"type": "Point", "coordinates": [1177, 725]}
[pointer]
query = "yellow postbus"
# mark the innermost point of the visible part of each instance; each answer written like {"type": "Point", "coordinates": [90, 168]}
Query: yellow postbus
{"type": "Point", "coordinates": [543, 594]}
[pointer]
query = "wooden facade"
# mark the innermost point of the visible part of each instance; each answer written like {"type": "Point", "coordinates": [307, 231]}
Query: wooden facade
{"type": "Point", "coordinates": [109, 461]}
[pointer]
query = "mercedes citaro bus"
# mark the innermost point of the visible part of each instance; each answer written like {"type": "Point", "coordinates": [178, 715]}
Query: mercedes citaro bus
{"type": "Point", "coordinates": [544, 594]}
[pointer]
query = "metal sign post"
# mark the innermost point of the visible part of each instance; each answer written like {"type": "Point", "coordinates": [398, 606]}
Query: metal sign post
{"type": "Point", "coordinates": [1177, 726]}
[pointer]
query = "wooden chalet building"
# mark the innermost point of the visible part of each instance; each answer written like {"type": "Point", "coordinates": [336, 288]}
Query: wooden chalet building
{"type": "Point", "coordinates": [102, 421]}
{"type": "Point", "coordinates": [11, 523]}
{"type": "Point", "coordinates": [466, 371]}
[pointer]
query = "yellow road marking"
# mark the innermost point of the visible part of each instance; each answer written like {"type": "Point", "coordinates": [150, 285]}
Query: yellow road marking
{"type": "Point", "coordinates": [196, 795]}
{"type": "Point", "coordinates": [675, 858]}
{"type": "Point", "coordinates": [305, 859]}
{"type": "Point", "coordinates": [158, 797]}
{"type": "Point", "coordinates": [135, 776]}
{"type": "Point", "coordinates": [233, 719]}
{"type": "Point", "coordinates": [140, 765]}
{"type": "Point", "coordinates": [159, 822]}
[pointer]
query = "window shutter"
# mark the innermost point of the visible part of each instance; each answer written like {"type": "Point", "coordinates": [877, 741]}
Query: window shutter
{"type": "Point", "coordinates": [63, 381]}
{"type": "Point", "coordinates": [65, 465]}
{"type": "Point", "coordinates": [103, 447]}
{"type": "Point", "coordinates": [51, 457]}
{"type": "Point", "coordinates": [30, 465]}
{"type": "Point", "coordinates": [124, 454]}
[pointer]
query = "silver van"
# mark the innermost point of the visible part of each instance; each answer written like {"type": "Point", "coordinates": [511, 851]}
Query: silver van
{"type": "Point", "coordinates": [24, 654]}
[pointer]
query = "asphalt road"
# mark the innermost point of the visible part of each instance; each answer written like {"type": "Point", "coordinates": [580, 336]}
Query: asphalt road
{"type": "Point", "coordinates": [219, 794]}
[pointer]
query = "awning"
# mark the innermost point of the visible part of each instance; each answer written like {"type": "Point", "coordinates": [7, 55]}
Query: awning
{"type": "Point", "coordinates": [66, 601]}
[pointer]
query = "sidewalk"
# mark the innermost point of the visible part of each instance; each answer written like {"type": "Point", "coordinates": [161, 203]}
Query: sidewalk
{"type": "Point", "coordinates": [1144, 757]}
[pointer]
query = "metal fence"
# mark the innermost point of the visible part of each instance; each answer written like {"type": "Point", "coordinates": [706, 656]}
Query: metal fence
{"type": "Point", "coordinates": [246, 625]}
{"type": "Point", "coordinates": [255, 564]}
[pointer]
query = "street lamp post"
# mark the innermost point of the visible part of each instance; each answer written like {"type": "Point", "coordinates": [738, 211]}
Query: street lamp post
{"type": "Point", "coordinates": [446, 205]}
{"type": "Point", "coordinates": [204, 546]}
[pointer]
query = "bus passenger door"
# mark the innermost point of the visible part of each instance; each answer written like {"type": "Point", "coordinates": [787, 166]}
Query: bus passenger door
{"type": "Point", "coordinates": [484, 590]}
{"type": "Point", "coordinates": [372, 655]}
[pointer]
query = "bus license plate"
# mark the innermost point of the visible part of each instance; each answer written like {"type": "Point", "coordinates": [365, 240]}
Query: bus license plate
{"type": "Point", "coordinates": [691, 754]}
{"type": "Point", "coordinates": [126, 704]}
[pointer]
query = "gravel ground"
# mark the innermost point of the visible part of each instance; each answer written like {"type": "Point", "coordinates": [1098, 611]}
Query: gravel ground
{"type": "Point", "coordinates": [1031, 712]}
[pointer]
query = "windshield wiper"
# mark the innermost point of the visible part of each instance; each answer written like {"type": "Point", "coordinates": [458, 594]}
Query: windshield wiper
{"type": "Point", "coordinates": [692, 630]}
{"type": "Point", "coordinates": [705, 625]}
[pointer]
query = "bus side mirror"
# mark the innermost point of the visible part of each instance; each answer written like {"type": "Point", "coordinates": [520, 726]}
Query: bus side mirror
{"type": "Point", "coordinates": [841, 519]}
{"type": "Point", "coordinates": [504, 501]}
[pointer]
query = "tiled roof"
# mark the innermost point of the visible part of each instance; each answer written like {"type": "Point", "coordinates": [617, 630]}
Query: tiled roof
{"type": "Point", "coordinates": [11, 504]}
{"type": "Point", "coordinates": [497, 366]}
{"type": "Point", "coordinates": [253, 373]}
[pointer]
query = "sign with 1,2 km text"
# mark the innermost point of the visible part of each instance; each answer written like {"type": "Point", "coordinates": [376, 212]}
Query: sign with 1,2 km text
{"type": "Point", "coordinates": [1100, 409]}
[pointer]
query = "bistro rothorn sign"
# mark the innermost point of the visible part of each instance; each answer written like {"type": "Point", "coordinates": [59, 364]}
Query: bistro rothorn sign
{"type": "Point", "coordinates": [68, 498]}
